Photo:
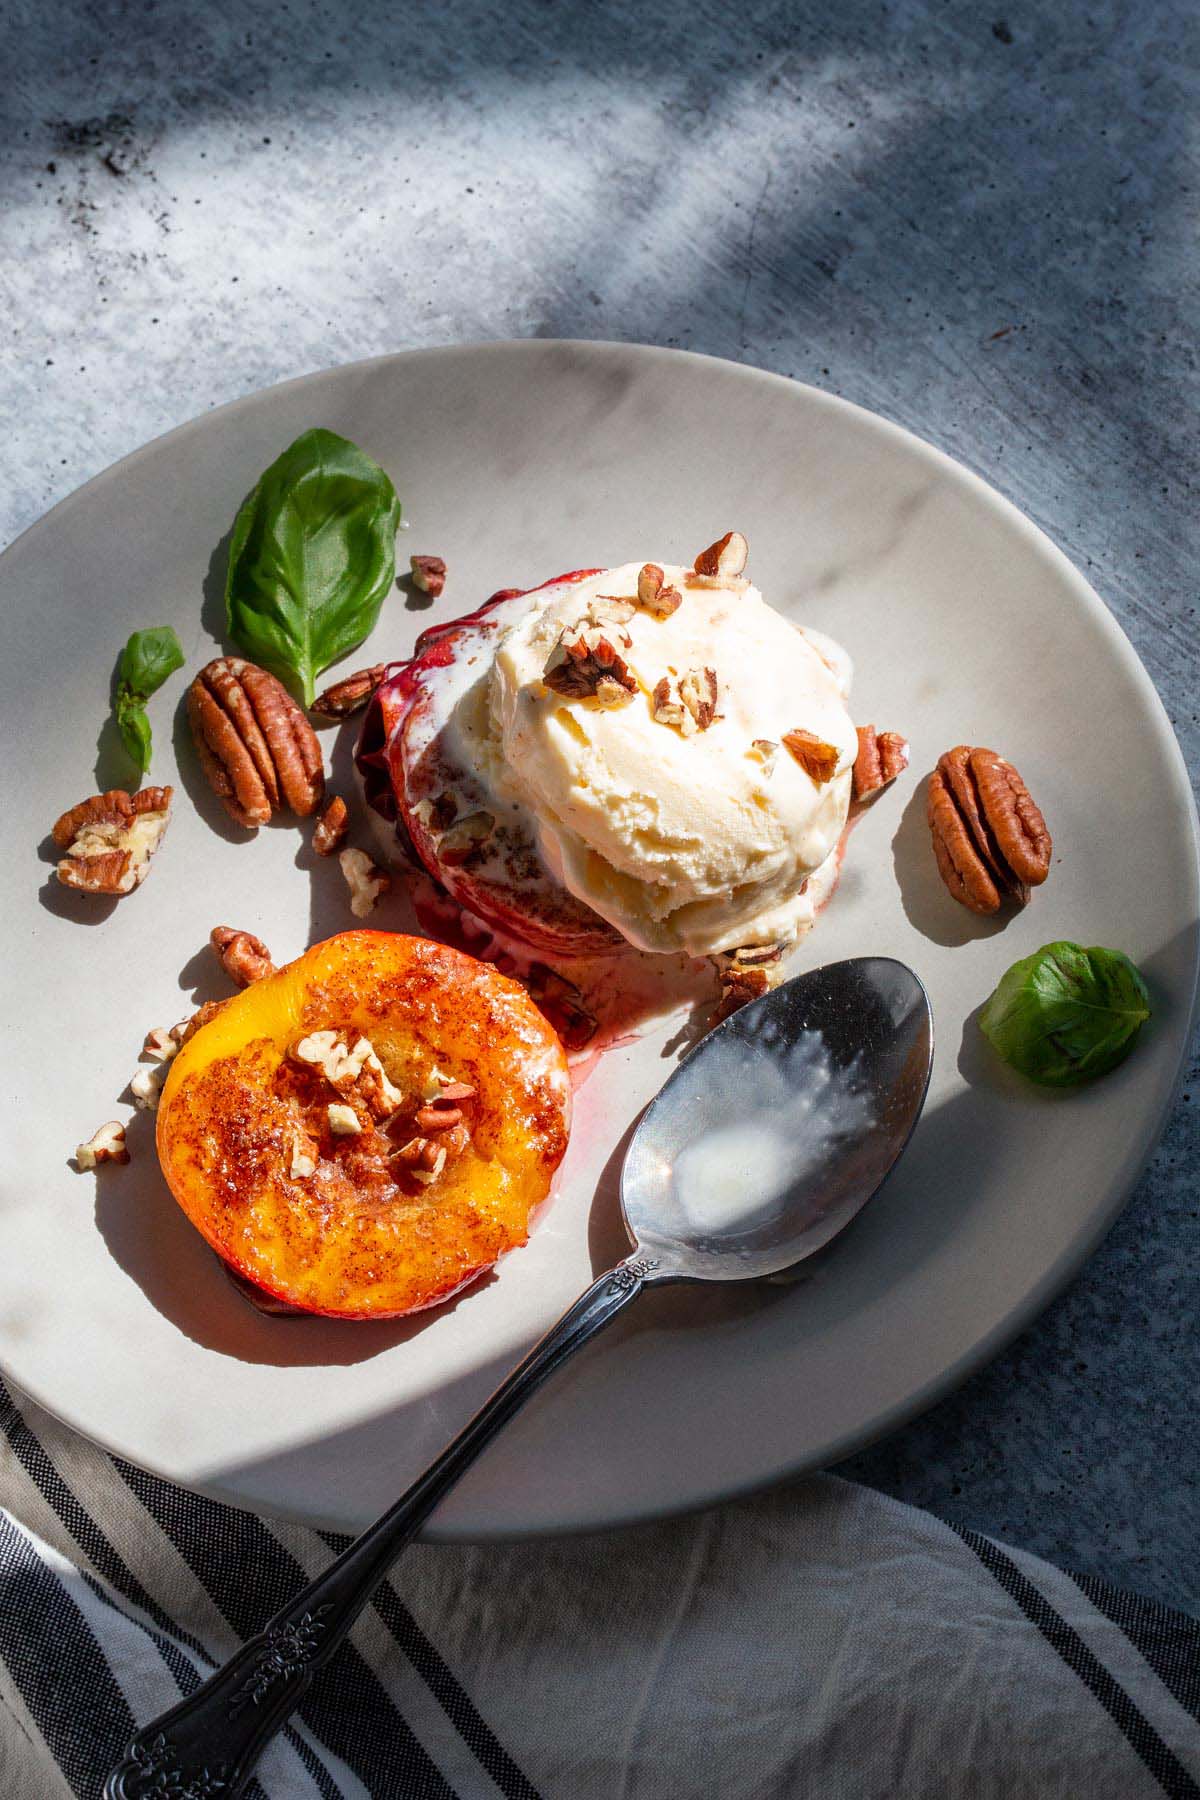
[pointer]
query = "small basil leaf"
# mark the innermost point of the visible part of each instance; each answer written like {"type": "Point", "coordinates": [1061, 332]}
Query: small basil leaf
{"type": "Point", "coordinates": [312, 556]}
{"type": "Point", "coordinates": [148, 658]}
{"type": "Point", "coordinates": [146, 661]}
{"type": "Point", "coordinates": [1065, 1015]}
{"type": "Point", "coordinates": [134, 727]}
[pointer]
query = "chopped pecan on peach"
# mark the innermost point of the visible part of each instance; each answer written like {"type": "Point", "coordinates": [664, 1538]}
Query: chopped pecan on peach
{"type": "Point", "coordinates": [365, 879]}
{"type": "Point", "coordinates": [817, 758]}
{"type": "Point", "coordinates": [331, 827]}
{"type": "Point", "coordinates": [349, 695]}
{"type": "Point", "coordinates": [104, 1146]}
{"type": "Point", "coordinates": [428, 573]}
{"type": "Point", "coordinates": [722, 563]}
{"type": "Point", "coordinates": [587, 664]}
{"type": "Point", "coordinates": [989, 838]}
{"type": "Point", "coordinates": [421, 1158]}
{"type": "Point", "coordinates": [654, 597]}
{"type": "Point", "coordinates": [354, 1071]}
{"type": "Point", "coordinates": [110, 838]}
{"type": "Point", "coordinates": [882, 755]}
{"type": "Point", "coordinates": [244, 957]}
{"type": "Point", "coordinates": [255, 745]}
{"type": "Point", "coordinates": [343, 1120]}
{"type": "Point", "coordinates": [560, 1001]}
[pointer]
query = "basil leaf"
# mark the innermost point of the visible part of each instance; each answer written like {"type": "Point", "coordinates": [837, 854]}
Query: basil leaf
{"type": "Point", "coordinates": [134, 727]}
{"type": "Point", "coordinates": [312, 556]}
{"type": "Point", "coordinates": [1065, 1015]}
{"type": "Point", "coordinates": [146, 661]}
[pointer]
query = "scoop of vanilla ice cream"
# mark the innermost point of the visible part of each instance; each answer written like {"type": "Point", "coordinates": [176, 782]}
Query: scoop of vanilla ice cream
{"type": "Point", "coordinates": [695, 842]}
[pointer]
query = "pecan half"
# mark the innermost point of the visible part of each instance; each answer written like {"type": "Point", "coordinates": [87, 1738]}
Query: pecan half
{"type": "Point", "coordinates": [244, 957]}
{"type": "Point", "coordinates": [653, 595]}
{"type": "Point", "coordinates": [331, 827]}
{"type": "Point", "coordinates": [110, 838]}
{"type": "Point", "coordinates": [882, 755]}
{"type": "Point", "coordinates": [722, 563]}
{"type": "Point", "coordinates": [989, 838]}
{"type": "Point", "coordinates": [350, 694]}
{"type": "Point", "coordinates": [815, 756]}
{"type": "Point", "coordinates": [428, 573]}
{"type": "Point", "coordinates": [255, 745]}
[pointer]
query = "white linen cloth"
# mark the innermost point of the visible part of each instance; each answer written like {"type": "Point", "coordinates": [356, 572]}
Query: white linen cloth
{"type": "Point", "coordinates": [819, 1641]}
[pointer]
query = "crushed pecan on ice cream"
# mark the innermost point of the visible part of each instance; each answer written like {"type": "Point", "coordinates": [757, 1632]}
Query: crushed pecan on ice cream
{"type": "Point", "coordinates": [639, 716]}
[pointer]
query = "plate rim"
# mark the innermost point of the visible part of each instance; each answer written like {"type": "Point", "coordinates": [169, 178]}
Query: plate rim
{"type": "Point", "coordinates": [1054, 1279]}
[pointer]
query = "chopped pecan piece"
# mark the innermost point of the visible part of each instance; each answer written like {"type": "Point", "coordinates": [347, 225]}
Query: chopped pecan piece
{"type": "Point", "coordinates": [201, 1016]}
{"type": "Point", "coordinates": [366, 881]}
{"type": "Point", "coordinates": [352, 1070]}
{"type": "Point", "coordinates": [989, 838]}
{"type": "Point", "coordinates": [161, 1045]}
{"type": "Point", "coordinates": [255, 745]}
{"type": "Point", "coordinates": [244, 957]}
{"type": "Point", "coordinates": [560, 1001]}
{"type": "Point", "coordinates": [745, 974]}
{"type": "Point", "coordinates": [766, 750]}
{"type": "Point", "coordinates": [464, 840]}
{"type": "Point", "coordinates": [343, 1120]}
{"type": "Point", "coordinates": [421, 1158]}
{"type": "Point", "coordinates": [722, 563]}
{"type": "Point", "coordinates": [815, 756]}
{"type": "Point", "coordinates": [689, 706]}
{"type": "Point", "coordinates": [146, 1086]}
{"type": "Point", "coordinates": [428, 573]}
{"type": "Point", "coordinates": [586, 663]}
{"type": "Point", "coordinates": [110, 838]}
{"type": "Point", "coordinates": [882, 755]}
{"type": "Point", "coordinates": [653, 595]}
{"type": "Point", "coordinates": [698, 691]}
{"type": "Point", "coordinates": [349, 695]}
{"type": "Point", "coordinates": [104, 1146]}
{"type": "Point", "coordinates": [331, 827]}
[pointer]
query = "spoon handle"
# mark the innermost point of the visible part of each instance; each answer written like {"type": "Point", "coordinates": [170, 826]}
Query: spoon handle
{"type": "Point", "coordinates": [206, 1748]}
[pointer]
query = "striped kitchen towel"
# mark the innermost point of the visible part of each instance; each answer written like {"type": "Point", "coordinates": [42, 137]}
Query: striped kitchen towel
{"type": "Point", "coordinates": [818, 1641]}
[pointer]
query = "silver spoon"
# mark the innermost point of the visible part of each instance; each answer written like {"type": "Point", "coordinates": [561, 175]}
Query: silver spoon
{"type": "Point", "coordinates": [765, 1142]}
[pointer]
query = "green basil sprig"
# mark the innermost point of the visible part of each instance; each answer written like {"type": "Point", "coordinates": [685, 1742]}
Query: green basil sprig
{"type": "Point", "coordinates": [146, 661]}
{"type": "Point", "coordinates": [312, 556]}
{"type": "Point", "coordinates": [1065, 1015]}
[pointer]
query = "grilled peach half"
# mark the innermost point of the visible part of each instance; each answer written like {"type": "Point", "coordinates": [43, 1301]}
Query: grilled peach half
{"type": "Point", "coordinates": [368, 1130]}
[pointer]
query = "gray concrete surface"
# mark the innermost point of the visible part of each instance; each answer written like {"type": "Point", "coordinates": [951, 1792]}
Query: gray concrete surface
{"type": "Point", "coordinates": [980, 222]}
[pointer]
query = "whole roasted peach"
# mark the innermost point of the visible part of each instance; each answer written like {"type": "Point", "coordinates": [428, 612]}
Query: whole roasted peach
{"type": "Point", "coordinates": [366, 1131]}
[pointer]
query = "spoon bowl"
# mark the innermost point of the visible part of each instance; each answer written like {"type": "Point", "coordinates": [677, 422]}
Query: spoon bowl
{"type": "Point", "coordinates": [780, 1125]}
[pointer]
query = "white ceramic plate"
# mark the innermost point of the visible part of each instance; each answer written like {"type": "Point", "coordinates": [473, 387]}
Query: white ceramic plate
{"type": "Point", "coordinates": [517, 461]}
